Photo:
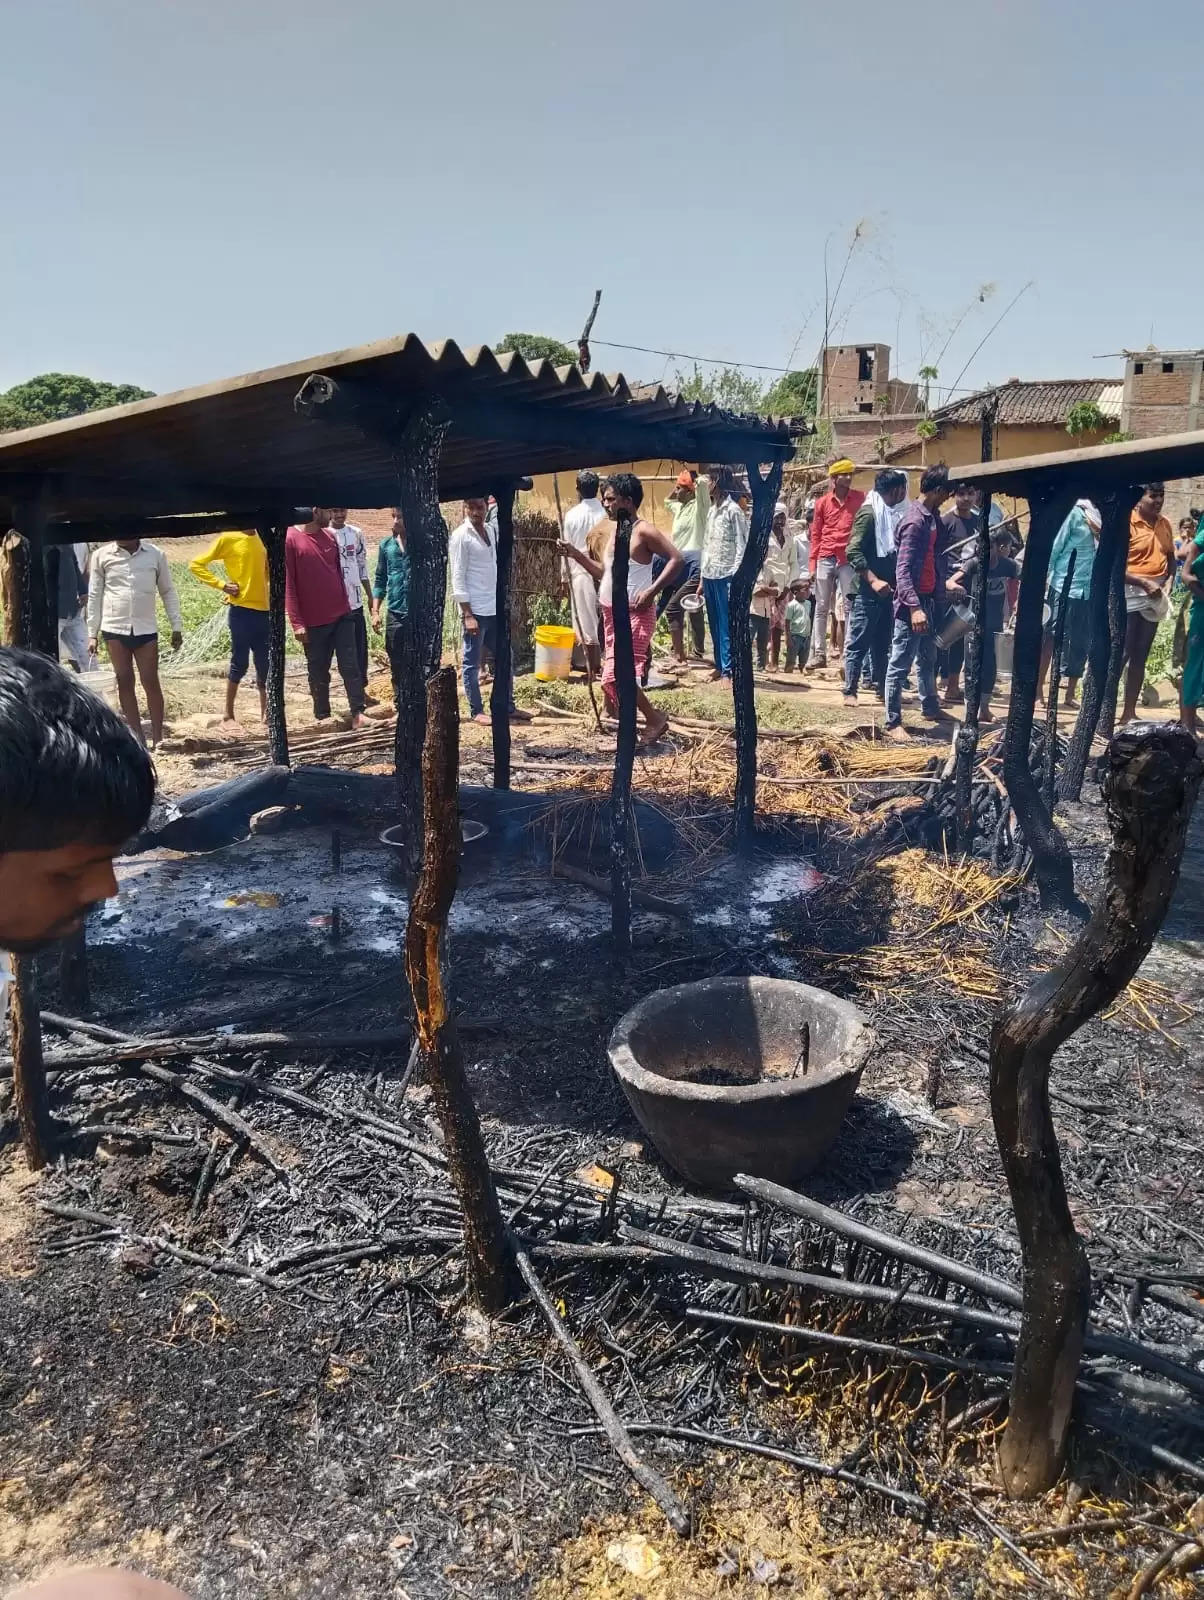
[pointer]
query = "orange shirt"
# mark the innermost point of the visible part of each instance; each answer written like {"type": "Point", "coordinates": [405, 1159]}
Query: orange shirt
{"type": "Point", "coordinates": [832, 524]}
{"type": "Point", "coordinates": [1151, 547]}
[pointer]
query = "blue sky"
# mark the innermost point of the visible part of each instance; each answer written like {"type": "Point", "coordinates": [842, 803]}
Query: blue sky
{"type": "Point", "coordinates": [203, 187]}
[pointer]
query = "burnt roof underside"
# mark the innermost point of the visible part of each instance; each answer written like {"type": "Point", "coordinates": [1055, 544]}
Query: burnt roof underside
{"type": "Point", "coordinates": [1105, 466]}
{"type": "Point", "coordinates": [229, 450]}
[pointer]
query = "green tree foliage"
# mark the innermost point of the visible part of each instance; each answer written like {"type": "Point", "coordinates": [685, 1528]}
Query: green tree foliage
{"type": "Point", "coordinates": [795, 394]}
{"type": "Point", "coordinates": [1085, 417]}
{"type": "Point", "coordinates": [54, 395]}
{"type": "Point", "coordinates": [729, 387]}
{"type": "Point", "coordinates": [536, 347]}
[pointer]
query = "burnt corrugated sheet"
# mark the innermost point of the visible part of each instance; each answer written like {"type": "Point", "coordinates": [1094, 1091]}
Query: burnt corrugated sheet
{"type": "Point", "coordinates": [241, 443]}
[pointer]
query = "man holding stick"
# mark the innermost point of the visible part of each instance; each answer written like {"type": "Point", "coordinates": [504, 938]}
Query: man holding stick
{"type": "Point", "coordinates": [623, 494]}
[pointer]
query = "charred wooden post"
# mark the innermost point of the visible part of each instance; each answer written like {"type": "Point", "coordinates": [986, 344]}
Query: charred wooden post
{"type": "Point", "coordinates": [1118, 620]}
{"type": "Point", "coordinates": [1151, 777]}
{"type": "Point", "coordinates": [966, 746]}
{"type": "Point", "coordinates": [765, 490]}
{"type": "Point", "coordinates": [620, 789]}
{"type": "Point", "coordinates": [1051, 858]}
{"type": "Point", "coordinates": [30, 1098]}
{"type": "Point", "coordinates": [1115, 506]}
{"type": "Point", "coordinates": [29, 1070]}
{"type": "Point", "coordinates": [416, 452]}
{"type": "Point", "coordinates": [1055, 684]}
{"type": "Point", "coordinates": [503, 652]}
{"type": "Point", "coordinates": [272, 535]}
{"type": "Point", "coordinates": [487, 1250]}
{"type": "Point", "coordinates": [74, 989]}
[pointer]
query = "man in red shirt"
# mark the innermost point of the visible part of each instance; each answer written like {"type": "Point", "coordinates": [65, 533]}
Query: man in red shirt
{"type": "Point", "coordinates": [315, 597]}
{"type": "Point", "coordinates": [830, 529]}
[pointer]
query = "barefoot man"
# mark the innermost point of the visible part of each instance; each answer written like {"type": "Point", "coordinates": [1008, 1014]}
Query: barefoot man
{"type": "Point", "coordinates": [623, 493]}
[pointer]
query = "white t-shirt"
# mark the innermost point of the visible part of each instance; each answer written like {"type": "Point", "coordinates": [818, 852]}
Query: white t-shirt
{"type": "Point", "coordinates": [581, 522]}
{"type": "Point", "coordinates": [353, 559]}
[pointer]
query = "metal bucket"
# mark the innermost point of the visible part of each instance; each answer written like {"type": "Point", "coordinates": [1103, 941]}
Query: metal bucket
{"type": "Point", "coordinates": [958, 625]}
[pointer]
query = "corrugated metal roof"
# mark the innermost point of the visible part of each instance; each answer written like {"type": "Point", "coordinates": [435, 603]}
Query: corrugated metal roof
{"type": "Point", "coordinates": [1031, 404]}
{"type": "Point", "coordinates": [240, 444]}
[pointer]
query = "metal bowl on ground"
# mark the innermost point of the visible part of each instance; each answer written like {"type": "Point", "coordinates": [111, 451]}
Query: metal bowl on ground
{"type": "Point", "coordinates": [736, 1075]}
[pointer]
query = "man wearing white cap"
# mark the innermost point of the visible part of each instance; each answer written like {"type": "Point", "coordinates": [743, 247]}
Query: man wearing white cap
{"type": "Point", "coordinates": [772, 590]}
{"type": "Point", "coordinates": [1078, 534]}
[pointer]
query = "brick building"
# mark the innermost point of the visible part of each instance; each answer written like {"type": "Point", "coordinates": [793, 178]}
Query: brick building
{"type": "Point", "coordinates": [1164, 393]}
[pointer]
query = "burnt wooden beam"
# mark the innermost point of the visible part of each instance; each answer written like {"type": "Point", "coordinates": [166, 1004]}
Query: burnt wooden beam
{"type": "Point", "coordinates": [1051, 857]}
{"type": "Point", "coordinates": [620, 789]}
{"type": "Point", "coordinates": [114, 494]}
{"type": "Point", "coordinates": [273, 535]}
{"type": "Point", "coordinates": [30, 1096]}
{"type": "Point", "coordinates": [1115, 508]}
{"type": "Point", "coordinates": [487, 1248]}
{"type": "Point", "coordinates": [503, 652]}
{"type": "Point", "coordinates": [1118, 622]}
{"type": "Point", "coordinates": [97, 530]}
{"type": "Point", "coordinates": [1150, 781]}
{"type": "Point", "coordinates": [1055, 684]}
{"type": "Point", "coordinates": [765, 490]}
{"type": "Point", "coordinates": [966, 742]}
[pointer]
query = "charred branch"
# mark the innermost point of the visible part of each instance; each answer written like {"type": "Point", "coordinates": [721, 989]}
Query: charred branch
{"type": "Point", "coordinates": [1055, 684]}
{"type": "Point", "coordinates": [272, 535]}
{"type": "Point", "coordinates": [620, 790]}
{"type": "Point", "coordinates": [1150, 783]}
{"type": "Point", "coordinates": [503, 654]}
{"type": "Point", "coordinates": [486, 1244]}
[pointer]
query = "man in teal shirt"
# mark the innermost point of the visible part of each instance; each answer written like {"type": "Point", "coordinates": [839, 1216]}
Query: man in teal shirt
{"type": "Point", "coordinates": [391, 585]}
{"type": "Point", "coordinates": [1077, 535]}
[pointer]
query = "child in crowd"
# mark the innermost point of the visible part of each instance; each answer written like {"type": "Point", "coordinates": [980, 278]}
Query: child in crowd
{"type": "Point", "coordinates": [800, 615]}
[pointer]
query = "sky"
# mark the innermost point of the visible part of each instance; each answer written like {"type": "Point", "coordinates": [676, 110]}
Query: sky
{"type": "Point", "coordinates": [192, 189]}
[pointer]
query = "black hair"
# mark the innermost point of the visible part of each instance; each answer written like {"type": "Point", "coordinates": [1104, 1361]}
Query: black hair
{"type": "Point", "coordinates": [1154, 488]}
{"type": "Point", "coordinates": [725, 479]}
{"type": "Point", "coordinates": [936, 477]}
{"type": "Point", "coordinates": [627, 485]}
{"type": "Point", "coordinates": [962, 487]}
{"type": "Point", "coordinates": [889, 479]}
{"type": "Point", "coordinates": [587, 485]}
{"type": "Point", "coordinates": [71, 772]}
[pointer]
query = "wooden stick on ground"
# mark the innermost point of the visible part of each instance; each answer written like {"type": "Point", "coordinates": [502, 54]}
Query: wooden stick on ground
{"type": "Point", "coordinates": [646, 1476]}
{"type": "Point", "coordinates": [486, 1242]}
{"type": "Point", "coordinates": [29, 1067]}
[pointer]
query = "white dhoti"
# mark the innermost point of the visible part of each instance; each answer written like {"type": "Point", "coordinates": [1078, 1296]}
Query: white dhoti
{"type": "Point", "coordinates": [585, 605]}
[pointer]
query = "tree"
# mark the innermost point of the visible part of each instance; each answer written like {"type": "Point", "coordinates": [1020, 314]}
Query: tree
{"type": "Point", "coordinates": [1085, 417]}
{"type": "Point", "coordinates": [795, 394]}
{"type": "Point", "coordinates": [730, 388]}
{"type": "Point", "coordinates": [926, 430]}
{"type": "Point", "coordinates": [536, 347]}
{"type": "Point", "coordinates": [54, 395]}
{"type": "Point", "coordinates": [929, 375]}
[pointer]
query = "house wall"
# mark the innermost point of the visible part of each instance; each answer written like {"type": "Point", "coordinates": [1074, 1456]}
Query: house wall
{"type": "Point", "coordinates": [960, 443]}
{"type": "Point", "coordinates": [1158, 402]}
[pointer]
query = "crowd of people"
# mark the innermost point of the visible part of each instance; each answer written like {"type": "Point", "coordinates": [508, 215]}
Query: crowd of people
{"type": "Point", "coordinates": [881, 582]}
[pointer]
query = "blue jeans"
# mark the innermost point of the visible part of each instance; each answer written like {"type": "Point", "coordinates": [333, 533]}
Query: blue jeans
{"type": "Point", "coordinates": [905, 648]}
{"type": "Point", "coordinates": [475, 645]}
{"type": "Point", "coordinates": [715, 591]}
{"type": "Point", "coordinates": [869, 637]}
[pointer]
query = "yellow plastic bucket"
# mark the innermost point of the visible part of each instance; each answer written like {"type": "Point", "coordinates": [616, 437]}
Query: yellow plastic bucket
{"type": "Point", "coordinates": [553, 653]}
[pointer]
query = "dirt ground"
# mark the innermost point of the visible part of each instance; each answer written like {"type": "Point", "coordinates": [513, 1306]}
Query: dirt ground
{"type": "Point", "coordinates": [302, 1406]}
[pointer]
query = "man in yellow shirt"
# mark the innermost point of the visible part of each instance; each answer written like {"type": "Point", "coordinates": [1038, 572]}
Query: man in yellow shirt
{"type": "Point", "coordinates": [246, 590]}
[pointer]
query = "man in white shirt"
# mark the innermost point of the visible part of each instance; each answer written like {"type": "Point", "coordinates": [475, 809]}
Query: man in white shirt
{"type": "Point", "coordinates": [722, 547]}
{"type": "Point", "coordinates": [353, 558]}
{"type": "Point", "coordinates": [124, 580]}
{"type": "Point", "coordinates": [472, 552]}
{"type": "Point", "coordinates": [578, 525]}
